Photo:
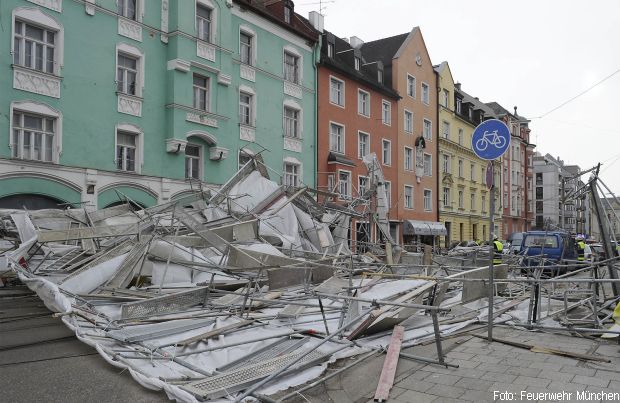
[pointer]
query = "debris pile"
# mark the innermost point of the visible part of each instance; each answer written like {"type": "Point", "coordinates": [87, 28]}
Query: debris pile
{"type": "Point", "coordinates": [252, 289]}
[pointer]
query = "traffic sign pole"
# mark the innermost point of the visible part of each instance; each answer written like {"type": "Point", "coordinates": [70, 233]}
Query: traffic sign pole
{"type": "Point", "coordinates": [491, 256]}
{"type": "Point", "coordinates": [489, 141]}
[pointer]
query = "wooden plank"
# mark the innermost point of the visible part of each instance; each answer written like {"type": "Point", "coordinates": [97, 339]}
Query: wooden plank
{"type": "Point", "coordinates": [386, 380]}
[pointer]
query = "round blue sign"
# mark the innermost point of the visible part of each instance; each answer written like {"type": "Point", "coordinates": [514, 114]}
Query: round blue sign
{"type": "Point", "coordinates": [490, 139]}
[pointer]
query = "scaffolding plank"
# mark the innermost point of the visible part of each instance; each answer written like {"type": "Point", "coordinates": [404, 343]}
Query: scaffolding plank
{"type": "Point", "coordinates": [165, 304]}
{"type": "Point", "coordinates": [386, 380]}
{"type": "Point", "coordinates": [224, 384]}
{"type": "Point", "coordinates": [101, 257]}
{"type": "Point", "coordinates": [124, 274]}
{"type": "Point", "coordinates": [88, 232]}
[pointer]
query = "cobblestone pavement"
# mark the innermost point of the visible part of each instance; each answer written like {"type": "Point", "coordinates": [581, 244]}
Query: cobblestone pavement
{"type": "Point", "coordinates": [486, 373]}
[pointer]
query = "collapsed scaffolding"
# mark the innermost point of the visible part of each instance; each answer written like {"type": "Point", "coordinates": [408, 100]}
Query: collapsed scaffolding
{"type": "Point", "coordinates": [252, 289]}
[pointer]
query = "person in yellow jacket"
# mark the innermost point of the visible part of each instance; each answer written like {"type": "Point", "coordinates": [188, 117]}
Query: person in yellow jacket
{"type": "Point", "coordinates": [498, 249]}
{"type": "Point", "coordinates": [581, 249]}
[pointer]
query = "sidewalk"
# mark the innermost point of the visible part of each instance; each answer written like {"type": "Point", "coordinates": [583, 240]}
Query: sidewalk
{"type": "Point", "coordinates": [485, 370]}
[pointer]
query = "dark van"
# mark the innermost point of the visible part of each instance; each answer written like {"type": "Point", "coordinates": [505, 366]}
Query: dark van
{"type": "Point", "coordinates": [551, 246]}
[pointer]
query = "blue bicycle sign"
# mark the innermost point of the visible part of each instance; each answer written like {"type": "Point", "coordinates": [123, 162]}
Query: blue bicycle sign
{"type": "Point", "coordinates": [490, 139]}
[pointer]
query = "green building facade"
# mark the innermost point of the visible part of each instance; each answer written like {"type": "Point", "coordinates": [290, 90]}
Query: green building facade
{"type": "Point", "coordinates": [149, 98]}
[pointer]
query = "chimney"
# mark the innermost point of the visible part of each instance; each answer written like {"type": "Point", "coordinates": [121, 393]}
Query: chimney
{"type": "Point", "coordinates": [458, 86]}
{"type": "Point", "coordinates": [316, 20]}
{"type": "Point", "coordinates": [356, 42]}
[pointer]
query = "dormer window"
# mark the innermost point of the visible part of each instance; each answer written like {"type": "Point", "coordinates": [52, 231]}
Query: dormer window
{"type": "Point", "coordinates": [287, 14]}
{"type": "Point", "coordinates": [330, 50]}
{"type": "Point", "coordinates": [358, 63]}
{"type": "Point", "coordinates": [458, 104]}
{"type": "Point", "coordinates": [471, 113]}
{"type": "Point", "coordinates": [380, 76]}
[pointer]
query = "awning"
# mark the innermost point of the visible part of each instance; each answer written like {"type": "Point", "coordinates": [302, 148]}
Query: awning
{"type": "Point", "coordinates": [412, 227]}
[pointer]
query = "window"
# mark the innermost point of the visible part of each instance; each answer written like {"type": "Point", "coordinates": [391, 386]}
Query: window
{"type": "Point", "coordinates": [472, 172]}
{"type": "Point", "coordinates": [330, 183]}
{"type": "Point", "coordinates": [446, 164]}
{"type": "Point", "coordinates": [411, 86]}
{"type": "Point", "coordinates": [483, 175]}
{"type": "Point", "coordinates": [245, 109]}
{"type": "Point", "coordinates": [34, 47]}
{"type": "Point", "coordinates": [126, 151]}
{"type": "Point", "coordinates": [192, 161]}
{"type": "Point", "coordinates": [363, 144]}
{"type": "Point", "coordinates": [461, 169]}
{"type": "Point", "coordinates": [330, 50]}
{"type": "Point", "coordinates": [380, 76]}
{"type": "Point", "coordinates": [472, 201]}
{"type": "Point", "coordinates": [408, 121]}
{"type": "Point", "coordinates": [126, 74]}
{"type": "Point", "coordinates": [460, 137]}
{"type": "Point", "coordinates": [445, 98]}
{"type": "Point", "coordinates": [428, 165]}
{"type": "Point", "coordinates": [201, 93]}
{"type": "Point", "coordinates": [33, 137]}
{"type": "Point", "coordinates": [408, 198]}
{"type": "Point", "coordinates": [484, 203]}
{"type": "Point", "coordinates": [446, 130]}
{"type": "Point", "coordinates": [461, 202]}
{"type": "Point", "coordinates": [362, 185]}
{"type": "Point", "coordinates": [336, 91]}
{"type": "Point", "coordinates": [428, 196]}
{"type": "Point", "coordinates": [358, 63]}
{"type": "Point", "coordinates": [291, 67]}
{"type": "Point", "coordinates": [428, 129]}
{"type": "Point", "coordinates": [408, 159]}
{"type": "Point", "coordinates": [363, 103]}
{"type": "Point", "coordinates": [386, 115]}
{"type": "Point", "coordinates": [127, 8]}
{"type": "Point", "coordinates": [344, 184]}
{"type": "Point", "coordinates": [245, 48]}
{"type": "Point", "coordinates": [446, 197]}
{"type": "Point", "coordinates": [336, 138]}
{"type": "Point", "coordinates": [287, 14]}
{"type": "Point", "coordinates": [291, 174]}
{"type": "Point", "coordinates": [291, 122]}
{"type": "Point", "coordinates": [386, 152]}
{"type": "Point", "coordinates": [459, 104]}
{"type": "Point", "coordinates": [388, 193]}
{"type": "Point", "coordinates": [425, 93]}
{"type": "Point", "coordinates": [203, 22]}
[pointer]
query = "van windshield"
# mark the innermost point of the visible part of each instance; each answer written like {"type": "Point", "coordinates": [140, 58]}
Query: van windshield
{"type": "Point", "coordinates": [538, 241]}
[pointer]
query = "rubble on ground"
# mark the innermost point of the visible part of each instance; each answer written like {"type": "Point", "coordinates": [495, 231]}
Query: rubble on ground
{"type": "Point", "coordinates": [253, 289]}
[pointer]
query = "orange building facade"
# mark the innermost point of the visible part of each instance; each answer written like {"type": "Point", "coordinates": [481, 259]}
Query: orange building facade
{"type": "Point", "coordinates": [357, 116]}
{"type": "Point", "coordinates": [409, 70]}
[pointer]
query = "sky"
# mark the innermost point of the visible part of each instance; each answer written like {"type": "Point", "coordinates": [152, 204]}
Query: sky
{"type": "Point", "coordinates": [533, 54]}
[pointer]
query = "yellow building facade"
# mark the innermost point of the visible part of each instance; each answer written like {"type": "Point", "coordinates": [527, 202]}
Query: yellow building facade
{"type": "Point", "coordinates": [464, 197]}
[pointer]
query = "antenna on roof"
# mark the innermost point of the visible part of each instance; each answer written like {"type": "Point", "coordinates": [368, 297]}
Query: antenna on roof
{"type": "Point", "coordinates": [320, 3]}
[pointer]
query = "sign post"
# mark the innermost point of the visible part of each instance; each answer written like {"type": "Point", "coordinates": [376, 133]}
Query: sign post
{"type": "Point", "coordinates": [490, 141]}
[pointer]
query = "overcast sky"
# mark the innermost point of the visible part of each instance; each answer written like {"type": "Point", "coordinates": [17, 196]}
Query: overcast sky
{"type": "Point", "coordinates": [535, 54]}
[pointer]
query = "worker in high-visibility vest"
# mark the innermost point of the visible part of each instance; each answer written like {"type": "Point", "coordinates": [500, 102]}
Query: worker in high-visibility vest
{"type": "Point", "coordinates": [581, 249]}
{"type": "Point", "coordinates": [498, 249]}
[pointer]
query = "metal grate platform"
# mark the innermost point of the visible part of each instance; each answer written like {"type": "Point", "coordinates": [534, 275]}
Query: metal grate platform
{"type": "Point", "coordinates": [279, 347]}
{"type": "Point", "coordinates": [164, 304]}
{"type": "Point", "coordinates": [236, 380]}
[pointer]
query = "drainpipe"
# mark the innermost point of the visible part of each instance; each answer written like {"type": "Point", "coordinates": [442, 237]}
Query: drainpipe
{"type": "Point", "coordinates": [437, 79]}
{"type": "Point", "coordinates": [315, 61]}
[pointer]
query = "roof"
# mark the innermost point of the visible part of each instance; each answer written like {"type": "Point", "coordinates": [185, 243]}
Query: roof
{"type": "Point", "coordinates": [383, 49]}
{"type": "Point", "coordinates": [344, 65]}
{"type": "Point", "coordinates": [477, 104]}
{"type": "Point", "coordinates": [271, 10]}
